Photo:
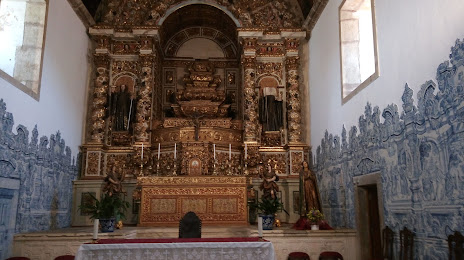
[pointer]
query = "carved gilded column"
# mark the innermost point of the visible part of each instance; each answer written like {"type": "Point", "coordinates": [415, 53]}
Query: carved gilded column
{"type": "Point", "coordinates": [100, 94]}
{"type": "Point", "coordinates": [293, 99]}
{"type": "Point", "coordinates": [143, 113]}
{"type": "Point", "coordinates": [251, 100]}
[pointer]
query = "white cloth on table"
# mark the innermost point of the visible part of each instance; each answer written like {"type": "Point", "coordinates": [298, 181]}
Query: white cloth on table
{"type": "Point", "coordinates": [178, 251]}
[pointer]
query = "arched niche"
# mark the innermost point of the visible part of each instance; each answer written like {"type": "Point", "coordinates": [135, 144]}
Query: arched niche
{"type": "Point", "coordinates": [199, 32]}
{"type": "Point", "coordinates": [200, 48]}
{"type": "Point", "coordinates": [204, 41]}
{"type": "Point", "coordinates": [270, 105]}
{"type": "Point", "coordinates": [268, 85]}
{"type": "Point", "coordinates": [197, 20]}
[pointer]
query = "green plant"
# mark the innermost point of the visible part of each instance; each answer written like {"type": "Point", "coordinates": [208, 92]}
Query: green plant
{"type": "Point", "coordinates": [314, 215]}
{"type": "Point", "coordinates": [107, 207]}
{"type": "Point", "coordinates": [268, 206]}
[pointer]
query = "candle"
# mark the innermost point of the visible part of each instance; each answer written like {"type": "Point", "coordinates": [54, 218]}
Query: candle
{"type": "Point", "coordinates": [175, 150]}
{"type": "Point", "coordinates": [260, 226]}
{"type": "Point", "coordinates": [159, 145]}
{"type": "Point", "coordinates": [141, 156]}
{"type": "Point", "coordinates": [230, 152]}
{"type": "Point", "coordinates": [214, 151]}
{"type": "Point", "coordinates": [95, 229]}
{"type": "Point", "coordinates": [245, 150]}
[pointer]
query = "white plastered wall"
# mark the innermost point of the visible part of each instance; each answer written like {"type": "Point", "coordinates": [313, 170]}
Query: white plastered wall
{"type": "Point", "coordinates": [61, 105]}
{"type": "Point", "coordinates": [414, 37]}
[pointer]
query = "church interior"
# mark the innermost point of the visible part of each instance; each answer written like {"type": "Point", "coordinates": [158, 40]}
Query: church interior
{"type": "Point", "coordinates": [351, 107]}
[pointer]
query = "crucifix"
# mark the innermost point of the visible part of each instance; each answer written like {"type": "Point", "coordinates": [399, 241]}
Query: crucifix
{"type": "Point", "coordinates": [196, 122]}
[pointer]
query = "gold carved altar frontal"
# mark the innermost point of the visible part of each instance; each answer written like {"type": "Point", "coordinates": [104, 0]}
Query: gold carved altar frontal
{"type": "Point", "coordinates": [215, 199]}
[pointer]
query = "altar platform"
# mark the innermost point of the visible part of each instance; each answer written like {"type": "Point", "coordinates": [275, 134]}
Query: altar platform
{"type": "Point", "coordinates": [47, 245]}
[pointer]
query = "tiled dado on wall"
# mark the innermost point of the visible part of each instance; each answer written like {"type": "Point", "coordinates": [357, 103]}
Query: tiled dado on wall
{"type": "Point", "coordinates": [35, 181]}
{"type": "Point", "coordinates": [419, 155]}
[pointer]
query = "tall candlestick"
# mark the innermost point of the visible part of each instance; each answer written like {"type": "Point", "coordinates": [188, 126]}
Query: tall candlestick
{"type": "Point", "coordinates": [260, 226]}
{"type": "Point", "coordinates": [95, 228]}
{"type": "Point", "coordinates": [246, 151]}
{"type": "Point", "coordinates": [159, 145]}
{"type": "Point", "coordinates": [175, 150]}
{"type": "Point", "coordinates": [214, 151]}
{"type": "Point", "coordinates": [230, 152]}
{"type": "Point", "coordinates": [141, 156]}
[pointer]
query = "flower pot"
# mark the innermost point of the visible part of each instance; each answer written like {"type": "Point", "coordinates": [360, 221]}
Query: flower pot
{"type": "Point", "coordinates": [314, 227]}
{"type": "Point", "coordinates": [268, 221]}
{"type": "Point", "coordinates": [107, 225]}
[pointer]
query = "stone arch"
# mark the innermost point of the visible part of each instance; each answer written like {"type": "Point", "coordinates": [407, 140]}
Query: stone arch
{"type": "Point", "coordinates": [191, 2]}
{"type": "Point", "coordinates": [195, 20]}
{"type": "Point", "coordinates": [267, 82]}
{"type": "Point", "coordinates": [128, 79]}
{"type": "Point", "coordinates": [180, 38]}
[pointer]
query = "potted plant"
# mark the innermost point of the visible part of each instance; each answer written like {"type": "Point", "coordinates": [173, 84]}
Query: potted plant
{"type": "Point", "coordinates": [267, 209]}
{"type": "Point", "coordinates": [314, 217]}
{"type": "Point", "coordinates": [109, 209]}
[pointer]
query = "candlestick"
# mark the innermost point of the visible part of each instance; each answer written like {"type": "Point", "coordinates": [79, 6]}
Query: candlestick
{"type": "Point", "coordinates": [214, 151]}
{"type": "Point", "coordinates": [175, 151]}
{"type": "Point", "coordinates": [260, 226]}
{"type": "Point", "coordinates": [174, 173]}
{"type": "Point", "coordinates": [141, 156]}
{"type": "Point", "coordinates": [95, 229]}
{"type": "Point", "coordinates": [230, 152]}
{"type": "Point", "coordinates": [159, 145]}
{"type": "Point", "coordinates": [245, 151]}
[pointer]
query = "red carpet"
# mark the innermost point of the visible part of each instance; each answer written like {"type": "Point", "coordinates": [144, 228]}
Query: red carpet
{"type": "Point", "coordinates": [179, 240]}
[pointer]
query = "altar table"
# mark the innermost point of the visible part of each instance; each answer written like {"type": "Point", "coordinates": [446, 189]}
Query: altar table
{"type": "Point", "coordinates": [178, 249]}
{"type": "Point", "coordinates": [217, 200]}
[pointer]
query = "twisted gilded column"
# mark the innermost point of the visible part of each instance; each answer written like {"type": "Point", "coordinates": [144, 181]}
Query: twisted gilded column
{"type": "Point", "coordinates": [143, 112]}
{"type": "Point", "coordinates": [100, 94]}
{"type": "Point", "coordinates": [251, 100]}
{"type": "Point", "coordinates": [293, 99]}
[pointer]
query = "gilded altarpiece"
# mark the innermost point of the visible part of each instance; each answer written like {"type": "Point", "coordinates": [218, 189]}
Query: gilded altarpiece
{"type": "Point", "coordinates": [191, 121]}
{"type": "Point", "coordinates": [216, 200]}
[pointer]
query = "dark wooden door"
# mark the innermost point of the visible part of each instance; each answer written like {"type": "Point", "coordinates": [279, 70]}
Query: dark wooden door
{"type": "Point", "coordinates": [374, 221]}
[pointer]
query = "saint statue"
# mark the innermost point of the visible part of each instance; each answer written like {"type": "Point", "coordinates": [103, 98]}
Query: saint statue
{"type": "Point", "coordinates": [308, 190]}
{"type": "Point", "coordinates": [113, 181]}
{"type": "Point", "coordinates": [270, 110]}
{"type": "Point", "coordinates": [122, 108]}
{"type": "Point", "coordinates": [269, 185]}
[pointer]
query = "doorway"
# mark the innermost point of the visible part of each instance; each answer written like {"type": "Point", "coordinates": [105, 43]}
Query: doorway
{"type": "Point", "coordinates": [369, 215]}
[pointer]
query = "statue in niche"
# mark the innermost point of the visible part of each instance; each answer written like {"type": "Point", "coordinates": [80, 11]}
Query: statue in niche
{"type": "Point", "coordinates": [122, 107]}
{"type": "Point", "coordinates": [270, 109]}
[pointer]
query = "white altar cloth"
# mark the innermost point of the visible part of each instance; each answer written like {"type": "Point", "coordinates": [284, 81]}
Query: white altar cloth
{"type": "Point", "coordinates": [178, 251]}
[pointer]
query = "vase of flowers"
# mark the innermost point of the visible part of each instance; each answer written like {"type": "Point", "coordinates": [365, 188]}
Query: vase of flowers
{"type": "Point", "coordinates": [314, 217]}
{"type": "Point", "coordinates": [267, 209]}
{"type": "Point", "coordinates": [109, 210]}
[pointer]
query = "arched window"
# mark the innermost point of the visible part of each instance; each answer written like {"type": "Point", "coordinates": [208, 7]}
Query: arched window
{"type": "Point", "coordinates": [22, 27]}
{"type": "Point", "coordinates": [358, 46]}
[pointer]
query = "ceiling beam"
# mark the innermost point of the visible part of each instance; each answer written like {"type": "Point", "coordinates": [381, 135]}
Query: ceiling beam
{"type": "Point", "coordinates": [82, 12]}
{"type": "Point", "coordinates": [314, 14]}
